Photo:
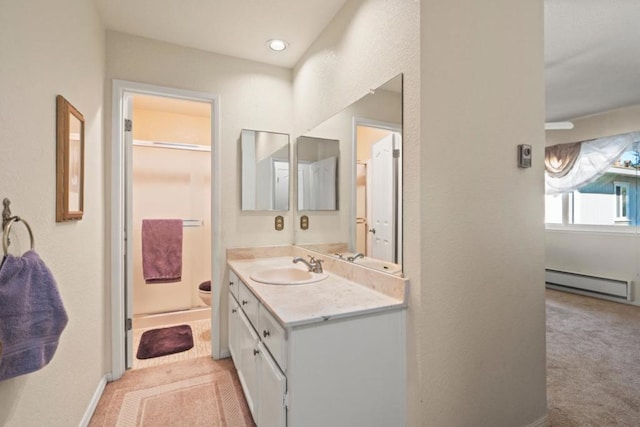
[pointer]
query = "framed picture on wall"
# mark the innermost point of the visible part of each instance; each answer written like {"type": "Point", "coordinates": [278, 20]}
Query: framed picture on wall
{"type": "Point", "coordinates": [69, 161]}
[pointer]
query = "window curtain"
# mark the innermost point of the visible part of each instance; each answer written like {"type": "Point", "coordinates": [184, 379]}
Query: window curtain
{"type": "Point", "coordinates": [559, 159]}
{"type": "Point", "coordinates": [567, 171]}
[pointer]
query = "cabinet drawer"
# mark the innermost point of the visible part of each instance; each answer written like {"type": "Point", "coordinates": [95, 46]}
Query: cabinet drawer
{"type": "Point", "coordinates": [273, 336]}
{"type": "Point", "coordinates": [249, 303]}
{"type": "Point", "coordinates": [233, 283]}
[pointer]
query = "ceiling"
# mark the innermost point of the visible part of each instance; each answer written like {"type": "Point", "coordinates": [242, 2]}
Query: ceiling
{"type": "Point", "coordinates": [591, 46]}
{"type": "Point", "coordinates": [592, 56]}
{"type": "Point", "coordinates": [238, 28]}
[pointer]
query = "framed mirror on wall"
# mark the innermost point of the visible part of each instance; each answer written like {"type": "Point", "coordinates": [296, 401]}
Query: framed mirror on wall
{"type": "Point", "coordinates": [69, 161]}
{"type": "Point", "coordinates": [265, 170]}
{"type": "Point", "coordinates": [366, 227]}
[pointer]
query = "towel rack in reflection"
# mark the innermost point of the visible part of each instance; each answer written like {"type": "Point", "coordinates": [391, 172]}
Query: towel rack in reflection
{"type": "Point", "coordinates": [7, 222]}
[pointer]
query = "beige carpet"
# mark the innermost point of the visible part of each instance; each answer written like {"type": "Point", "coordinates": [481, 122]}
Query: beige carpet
{"type": "Point", "coordinates": [197, 392]}
{"type": "Point", "coordinates": [593, 362]}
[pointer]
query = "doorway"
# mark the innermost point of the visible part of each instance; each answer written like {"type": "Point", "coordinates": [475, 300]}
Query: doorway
{"type": "Point", "coordinates": [170, 185]}
{"type": "Point", "coordinates": [164, 169]}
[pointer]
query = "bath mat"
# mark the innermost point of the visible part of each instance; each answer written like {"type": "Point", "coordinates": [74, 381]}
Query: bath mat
{"type": "Point", "coordinates": [196, 392]}
{"type": "Point", "coordinates": [164, 341]}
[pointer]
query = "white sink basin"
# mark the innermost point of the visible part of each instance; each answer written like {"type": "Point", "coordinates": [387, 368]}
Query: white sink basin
{"type": "Point", "coordinates": [287, 276]}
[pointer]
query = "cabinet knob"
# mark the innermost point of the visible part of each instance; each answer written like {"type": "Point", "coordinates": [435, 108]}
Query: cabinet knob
{"type": "Point", "coordinates": [234, 310]}
{"type": "Point", "coordinates": [245, 302]}
{"type": "Point", "coordinates": [255, 352]}
{"type": "Point", "coordinates": [266, 333]}
{"type": "Point", "coordinates": [230, 283]}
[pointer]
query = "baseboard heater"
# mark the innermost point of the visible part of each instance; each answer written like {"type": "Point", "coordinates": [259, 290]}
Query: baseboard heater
{"type": "Point", "coordinates": [601, 287]}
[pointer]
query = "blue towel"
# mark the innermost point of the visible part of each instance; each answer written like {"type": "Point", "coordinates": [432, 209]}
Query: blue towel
{"type": "Point", "coordinates": [32, 316]}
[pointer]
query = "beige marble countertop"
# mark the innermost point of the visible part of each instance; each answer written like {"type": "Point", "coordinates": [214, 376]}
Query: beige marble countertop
{"type": "Point", "coordinates": [332, 298]}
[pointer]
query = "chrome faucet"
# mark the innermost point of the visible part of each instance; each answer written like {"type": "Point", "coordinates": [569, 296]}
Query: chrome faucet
{"type": "Point", "coordinates": [355, 256]}
{"type": "Point", "coordinates": [314, 265]}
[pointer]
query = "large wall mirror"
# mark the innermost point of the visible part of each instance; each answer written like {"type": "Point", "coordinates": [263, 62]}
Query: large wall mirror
{"type": "Point", "coordinates": [317, 173]}
{"type": "Point", "coordinates": [368, 137]}
{"type": "Point", "coordinates": [265, 170]}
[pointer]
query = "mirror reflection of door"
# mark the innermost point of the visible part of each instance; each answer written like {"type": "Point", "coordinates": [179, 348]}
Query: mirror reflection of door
{"type": "Point", "coordinates": [377, 217]}
{"type": "Point", "coordinates": [383, 200]}
{"type": "Point", "coordinates": [281, 185]}
{"type": "Point", "coordinates": [317, 173]}
{"type": "Point", "coordinates": [322, 183]}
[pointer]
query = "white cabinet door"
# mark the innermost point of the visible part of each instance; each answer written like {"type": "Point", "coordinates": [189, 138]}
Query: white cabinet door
{"type": "Point", "coordinates": [247, 365]}
{"type": "Point", "coordinates": [234, 324]}
{"type": "Point", "coordinates": [272, 387]}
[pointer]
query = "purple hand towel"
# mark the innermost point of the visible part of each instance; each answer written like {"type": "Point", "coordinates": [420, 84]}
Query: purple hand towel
{"type": "Point", "coordinates": [32, 316]}
{"type": "Point", "coordinates": [162, 250]}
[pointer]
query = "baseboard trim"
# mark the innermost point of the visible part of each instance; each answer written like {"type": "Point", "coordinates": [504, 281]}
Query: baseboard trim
{"type": "Point", "coordinates": [542, 422]}
{"type": "Point", "coordinates": [94, 401]}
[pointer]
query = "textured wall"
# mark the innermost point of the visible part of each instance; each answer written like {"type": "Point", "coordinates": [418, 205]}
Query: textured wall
{"type": "Point", "coordinates": [50, 48]}
{"type": "Point", "coordinates": [483, 315]}
{"type": "Point", "coordinates": [368, 43]}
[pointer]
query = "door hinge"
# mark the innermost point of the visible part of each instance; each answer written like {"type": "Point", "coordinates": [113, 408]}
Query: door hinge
{"type": "Point", "coordinates": [285, 400]}
{"type": "Point", "coordinates": [128, 324]}
{"type": "Point", "coordinates": [128, 125]}
{"type": "Point", "coordinates": [396, 153]}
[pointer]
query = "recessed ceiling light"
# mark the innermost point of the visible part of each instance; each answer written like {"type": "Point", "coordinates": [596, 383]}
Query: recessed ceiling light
{"type": "Point", "coordinates": [277, 45]}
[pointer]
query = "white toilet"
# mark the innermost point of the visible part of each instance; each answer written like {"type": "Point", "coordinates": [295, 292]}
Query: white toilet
{"type": "Point", "coordinates": [204, 290]}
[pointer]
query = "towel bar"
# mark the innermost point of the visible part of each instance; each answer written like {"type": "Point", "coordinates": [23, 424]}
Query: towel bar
{"type": "Point", "coordinates": [7, 222]}
{"type": "Point", "coordinates": [7, 230]}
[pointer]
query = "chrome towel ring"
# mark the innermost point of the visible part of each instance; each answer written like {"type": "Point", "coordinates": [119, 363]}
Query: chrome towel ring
{"type": "Point", "coordinates": [7, 231]}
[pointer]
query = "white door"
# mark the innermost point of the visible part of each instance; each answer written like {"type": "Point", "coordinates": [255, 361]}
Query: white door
{"type": "Point", "coordinates": [272, 387]}
{"type": "Point", "coordinates": [128, 223]}
{"type": "Point", "coordinates": [281, 186]}
{"type": "Point", "coordinates": [304, 186]}
{"type": "Point", "coordinates": [323, 184]}
{"type": "Point", "coordinates": [383, 199]}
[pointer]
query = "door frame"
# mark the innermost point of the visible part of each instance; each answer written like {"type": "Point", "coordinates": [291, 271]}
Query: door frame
{"type": "Point", "coordinates": [353, 214]}
{"type": "Point", "coordinates": [118, 219]}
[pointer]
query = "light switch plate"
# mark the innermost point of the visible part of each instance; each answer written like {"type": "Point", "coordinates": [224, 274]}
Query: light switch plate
{"type": "Point", "coordinates": [279, 223]}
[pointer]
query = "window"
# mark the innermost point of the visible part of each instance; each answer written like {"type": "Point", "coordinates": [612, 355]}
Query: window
{"type": "Point", "coordinates": [609, 199]}
{"type": "Point", "coordinates": [621, 190]}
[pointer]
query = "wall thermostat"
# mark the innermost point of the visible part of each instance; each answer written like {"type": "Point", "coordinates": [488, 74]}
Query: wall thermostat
{"type": "Point", "coordinates": [524, 156]}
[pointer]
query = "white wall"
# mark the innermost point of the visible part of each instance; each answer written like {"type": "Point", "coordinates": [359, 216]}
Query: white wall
{"type": "Point", "coordinates": [482, 323]}
{"type": "Point", "coordinates": [368, 43]}
{"type": "Point", "coordinates": [252, 96]}
{"type": "Point", "coordinates": [598, 253]}
{"type": "Point", "coordinates": [50, 48]}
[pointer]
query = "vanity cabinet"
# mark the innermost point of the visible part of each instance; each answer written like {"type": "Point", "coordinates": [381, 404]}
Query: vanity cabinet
{"type": "Point", "coordinates": [346, 371]}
